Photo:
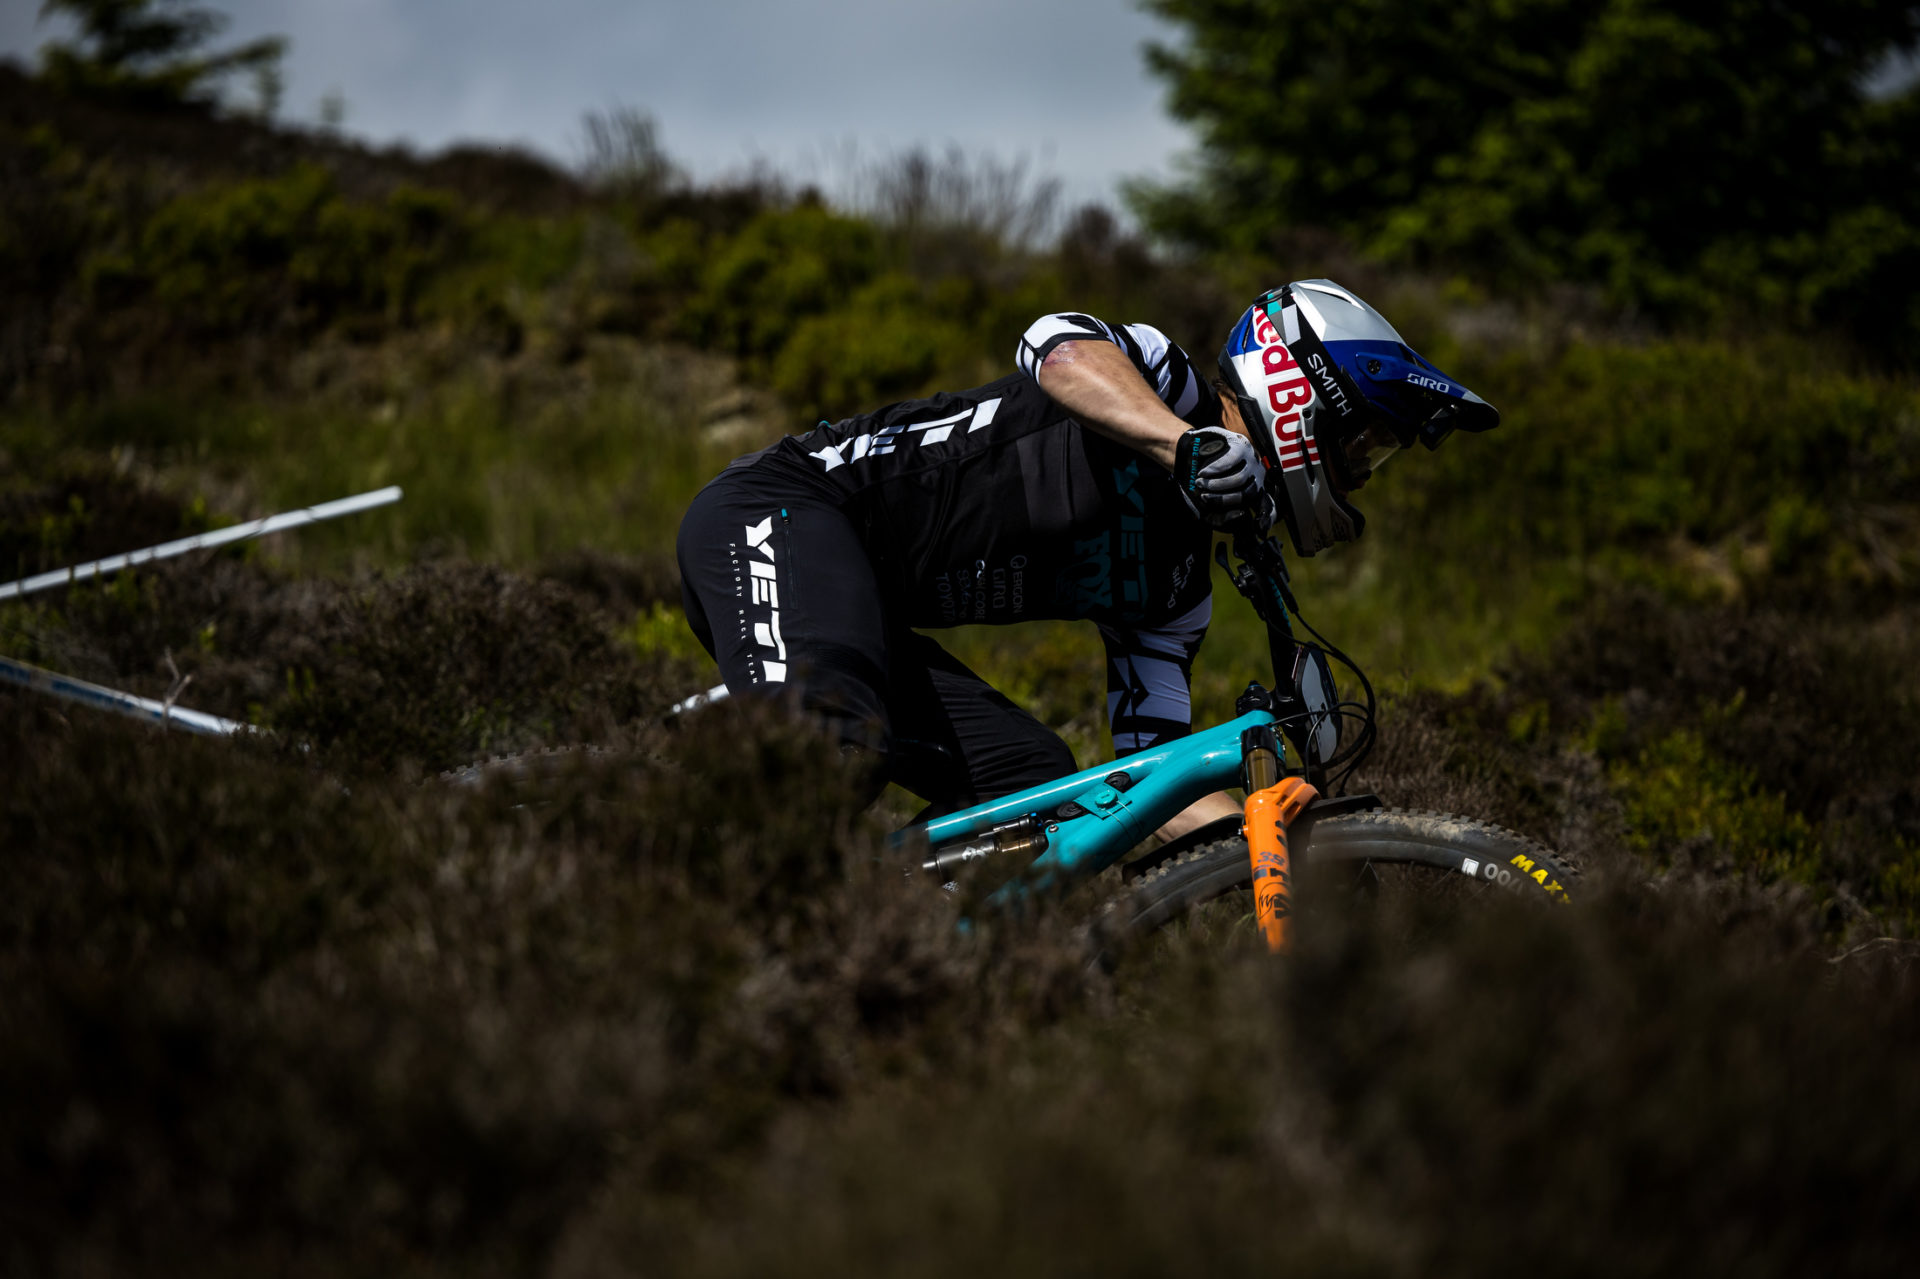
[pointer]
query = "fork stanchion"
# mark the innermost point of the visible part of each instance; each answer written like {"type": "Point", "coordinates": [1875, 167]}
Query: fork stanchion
{"type": "Point", "coordinates": [1269, 812]}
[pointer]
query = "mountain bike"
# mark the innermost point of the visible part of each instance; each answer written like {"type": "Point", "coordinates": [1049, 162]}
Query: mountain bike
{"type": "Point", "coordinates": [1300, 728]}
{"type": "Point", "coordinates": [1299, 731]}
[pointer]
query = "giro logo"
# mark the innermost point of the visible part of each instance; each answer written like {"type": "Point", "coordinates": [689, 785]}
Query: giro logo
{"type": "Point", "coordinates": [766, 591]}
{"type": "Point", "coordinates": [888, 439]}
{"type": "Point", "coordinates": [1431, 384]}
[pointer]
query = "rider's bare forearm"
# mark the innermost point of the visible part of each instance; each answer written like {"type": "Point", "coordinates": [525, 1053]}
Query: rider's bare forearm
{"type": "Point", "coordinates": [1208, 808]}
{"type": "Point", "coordinates": [1097, 383]}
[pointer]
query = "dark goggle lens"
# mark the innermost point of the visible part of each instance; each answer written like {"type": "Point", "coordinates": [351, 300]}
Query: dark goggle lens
{"type": "Point", "coordinates": [1368, 450]}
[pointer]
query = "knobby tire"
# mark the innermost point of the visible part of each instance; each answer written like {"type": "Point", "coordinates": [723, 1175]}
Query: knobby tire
{"type": "Point", "coordinates": [1178, 879]}
{"type": "Point", "coordinates": [1488, 855]}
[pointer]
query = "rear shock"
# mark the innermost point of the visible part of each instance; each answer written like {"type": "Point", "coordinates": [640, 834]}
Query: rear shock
{"type": "Point", "coordinates": [1024, 838]}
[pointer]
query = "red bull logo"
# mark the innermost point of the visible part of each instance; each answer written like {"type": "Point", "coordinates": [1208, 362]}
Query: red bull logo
{"type": "Point", "coordinates": [1288, 394]}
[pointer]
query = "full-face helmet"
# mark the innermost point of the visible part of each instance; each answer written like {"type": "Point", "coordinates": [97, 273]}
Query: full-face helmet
{"type": "Point", "coordinates": [1329, 391]}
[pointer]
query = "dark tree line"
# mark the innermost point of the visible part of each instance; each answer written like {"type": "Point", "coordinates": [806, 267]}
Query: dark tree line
{"type": "Point", "coordinates": [154, 52]}
{"type": "Point", "coordinates": [1741, 152]}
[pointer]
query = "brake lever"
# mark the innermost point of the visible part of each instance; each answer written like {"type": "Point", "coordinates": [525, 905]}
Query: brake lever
{"type": "Point", "coordinates": [1260, 556]}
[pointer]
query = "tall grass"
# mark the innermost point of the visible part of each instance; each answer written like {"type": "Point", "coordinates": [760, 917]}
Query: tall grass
{"type": "Point", "coordinates": [510, 462]}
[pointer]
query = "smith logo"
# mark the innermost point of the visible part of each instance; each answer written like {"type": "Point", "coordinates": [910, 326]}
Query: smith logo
{"type": "Point", "coordinates": [766, 590]}
{"type": "Point", "coordinates": [1330, 388]}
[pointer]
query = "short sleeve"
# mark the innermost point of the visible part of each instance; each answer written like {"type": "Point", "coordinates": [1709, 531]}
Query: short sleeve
{"type": "Point", "coordinates": [1167, 368]}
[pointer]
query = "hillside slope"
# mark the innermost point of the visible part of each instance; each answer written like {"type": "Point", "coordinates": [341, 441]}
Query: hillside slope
{"type": "Point", "coordinates": [292, 1003]}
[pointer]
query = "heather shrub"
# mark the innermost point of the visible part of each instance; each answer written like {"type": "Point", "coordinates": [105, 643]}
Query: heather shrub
{"type": "Point", "coordinates": [661, 998]}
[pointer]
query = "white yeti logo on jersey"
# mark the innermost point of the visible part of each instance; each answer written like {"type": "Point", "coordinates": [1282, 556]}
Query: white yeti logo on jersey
{"type": "Point", "coordinates": [766, 590]}
{"type": "Point", "coordinates": [887, 439]}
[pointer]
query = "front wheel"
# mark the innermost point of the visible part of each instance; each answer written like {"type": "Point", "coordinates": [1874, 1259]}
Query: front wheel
{"type": "Point", "coordinates": [1474, 855]}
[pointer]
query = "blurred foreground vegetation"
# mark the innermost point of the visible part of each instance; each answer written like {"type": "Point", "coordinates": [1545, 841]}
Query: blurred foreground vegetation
{"type": "Point", "coordinates": [293, 1003]}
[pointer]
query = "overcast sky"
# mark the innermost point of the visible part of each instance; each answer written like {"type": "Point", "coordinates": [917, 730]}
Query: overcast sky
{"type": "Point", "coordinates": [1061, 82]}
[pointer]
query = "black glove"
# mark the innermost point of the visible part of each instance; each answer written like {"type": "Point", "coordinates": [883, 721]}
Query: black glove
{"type": "Point", "coordinates": [1216, 471]}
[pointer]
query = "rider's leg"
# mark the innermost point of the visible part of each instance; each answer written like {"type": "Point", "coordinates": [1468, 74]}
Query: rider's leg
{"type": "Point", "coordinates": [992, 747]}
{"type": "Point", "coordinates": [779, 590]}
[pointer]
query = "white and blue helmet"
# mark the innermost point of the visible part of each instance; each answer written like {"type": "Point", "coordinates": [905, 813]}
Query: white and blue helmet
{"type": "Point", "coordinates": [1329, 391]}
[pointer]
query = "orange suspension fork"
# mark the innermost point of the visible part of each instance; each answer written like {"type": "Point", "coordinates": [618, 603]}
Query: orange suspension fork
{"type": "Point", "coordinates": [1269, 812]}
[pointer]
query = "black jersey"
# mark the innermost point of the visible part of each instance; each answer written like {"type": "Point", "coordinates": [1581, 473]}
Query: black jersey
{"type": "Point", "coordinates": [994, 506]}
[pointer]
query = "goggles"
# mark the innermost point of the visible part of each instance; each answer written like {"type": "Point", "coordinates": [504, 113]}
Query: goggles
{"type": "Point", "coordinates": [1365, 451]}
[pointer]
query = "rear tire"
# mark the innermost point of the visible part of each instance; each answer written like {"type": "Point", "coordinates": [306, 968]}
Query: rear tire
{"type": "Point", "coordinates": [1467, 852]}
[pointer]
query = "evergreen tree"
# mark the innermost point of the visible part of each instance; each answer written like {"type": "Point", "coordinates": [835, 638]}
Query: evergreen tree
{"type": "Point", "coordinates": [1668, 150]}
{"type": "Point", "coordinates": [153, 51]}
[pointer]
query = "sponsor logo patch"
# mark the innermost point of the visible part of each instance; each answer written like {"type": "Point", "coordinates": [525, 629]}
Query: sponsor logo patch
{"type": "Point", "coordinates": [1289, 393]}
{"type": "Point", "coordinates": [900, 435]}
{"type": "Point", "coordinates": [1330, 388]}
{"type": "Point", "coordinates": [1538, 874]}
{"type": "Point", "coordinates": [766, 591]}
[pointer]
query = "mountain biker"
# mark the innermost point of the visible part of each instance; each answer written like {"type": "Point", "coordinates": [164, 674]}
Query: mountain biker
{"type": "Point", "coordinates": [1088, 484]}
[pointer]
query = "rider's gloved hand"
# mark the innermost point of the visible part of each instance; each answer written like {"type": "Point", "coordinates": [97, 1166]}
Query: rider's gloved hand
{"type": "Point", "coordinates": [1217, 471]}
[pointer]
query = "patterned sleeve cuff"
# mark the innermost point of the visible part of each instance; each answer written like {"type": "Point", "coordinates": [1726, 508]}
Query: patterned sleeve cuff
{"type": "Point", "coordinates": [1050, 331]}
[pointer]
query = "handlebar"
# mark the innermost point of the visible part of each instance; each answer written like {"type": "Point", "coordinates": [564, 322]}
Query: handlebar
{"type": "Point", "coordinates": [1262, 577]}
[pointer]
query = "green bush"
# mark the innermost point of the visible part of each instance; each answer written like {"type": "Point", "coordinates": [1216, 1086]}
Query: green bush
{"type": "Point", "coordinates": [785, 266]}
{"type": "Point", "coordinates": [883, 343]}
{"type": "Point", "coordinates": [1706, 468]}
{"type": "Point", "coordinates": [281, 252]}
{"type": "Point", "coordinates": [1679, 797]}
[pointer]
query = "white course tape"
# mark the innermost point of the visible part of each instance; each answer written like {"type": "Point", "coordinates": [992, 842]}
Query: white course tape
{"type": "Point", "coordinates": [718, 693]}
{"type": "Point", "coordinates": [110, 699]}
{"type": "Point", "coordinates": [218, 537]}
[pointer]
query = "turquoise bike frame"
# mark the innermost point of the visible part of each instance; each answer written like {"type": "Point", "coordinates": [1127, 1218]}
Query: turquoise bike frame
{"type": "Point", "coordinates": [1158, 784]}
{"type": "Point", "coordinates": [1093, 817]}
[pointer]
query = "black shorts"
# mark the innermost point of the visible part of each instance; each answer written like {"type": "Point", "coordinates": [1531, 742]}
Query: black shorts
{"type": "Point", "coordinates": [779, 589]}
